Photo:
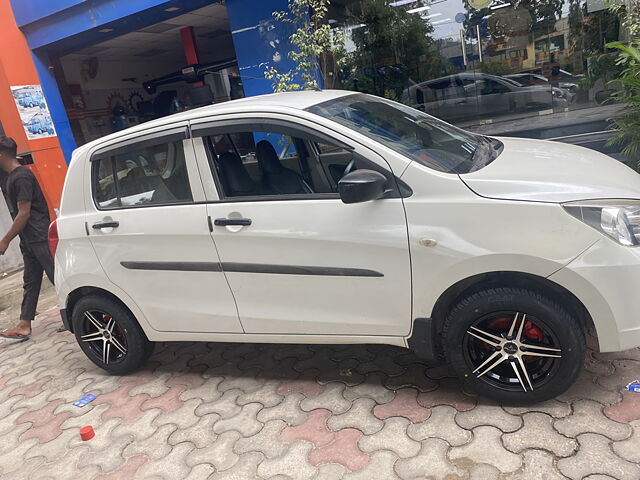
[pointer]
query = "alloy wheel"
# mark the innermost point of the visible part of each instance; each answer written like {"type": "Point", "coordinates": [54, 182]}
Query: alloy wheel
{"type": "Point", "coordinates": [512, 351]}
{"type": "Point", "coordinates": [106, 340]}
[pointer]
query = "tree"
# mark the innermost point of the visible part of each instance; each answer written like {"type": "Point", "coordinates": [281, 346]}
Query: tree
{"type": "Point", "coordinates": [390, 45]}
{"type": "Point", "coordinates": [317, 47]}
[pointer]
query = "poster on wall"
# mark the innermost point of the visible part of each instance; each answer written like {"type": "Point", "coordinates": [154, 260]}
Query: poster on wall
{"type": "Point", "coordinates": [34, 112]}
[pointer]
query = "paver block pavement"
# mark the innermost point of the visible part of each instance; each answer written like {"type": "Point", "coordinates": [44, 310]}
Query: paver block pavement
{"type": "Point", "coordinates": [300, 412]}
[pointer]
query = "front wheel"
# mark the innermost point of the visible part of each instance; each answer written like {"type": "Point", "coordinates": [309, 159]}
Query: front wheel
{"type": "Point", "coordinates": [514, 345]}
{"type": "Point", "coordinates": [110, 335]}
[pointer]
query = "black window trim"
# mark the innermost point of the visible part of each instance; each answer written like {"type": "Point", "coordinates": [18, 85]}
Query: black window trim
{"type": "Point", "coordinates": [176, 134]}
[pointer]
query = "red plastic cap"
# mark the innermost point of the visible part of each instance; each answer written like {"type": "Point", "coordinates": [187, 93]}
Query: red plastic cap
{"type": "Point", "coordinates": [87, 433]}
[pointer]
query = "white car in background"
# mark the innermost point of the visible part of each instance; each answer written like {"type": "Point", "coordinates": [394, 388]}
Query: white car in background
{"type": "Point", "coordinates": [337, 217]}
{"type": "Point", "coordinates": [471, 95]}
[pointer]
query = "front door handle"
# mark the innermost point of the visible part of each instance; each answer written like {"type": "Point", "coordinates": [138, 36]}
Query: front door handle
{"type": "Point", "coordinates": [226, 222]}
{"type": "Point", "coordinates": [109, 224]}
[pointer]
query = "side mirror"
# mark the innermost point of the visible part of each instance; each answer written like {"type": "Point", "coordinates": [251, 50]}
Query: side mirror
{"type": "Point", "coordinates": [361, 186]}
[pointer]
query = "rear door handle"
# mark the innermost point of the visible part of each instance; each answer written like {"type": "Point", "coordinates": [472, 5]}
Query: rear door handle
{"type": "Point", "coordinates": [110, 224]}
{"type": "Point", "coordinates": [225, 222]}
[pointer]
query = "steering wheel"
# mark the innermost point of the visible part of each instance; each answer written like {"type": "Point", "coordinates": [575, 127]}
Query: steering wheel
{"type": "Point", "coordinates": [350, 167]}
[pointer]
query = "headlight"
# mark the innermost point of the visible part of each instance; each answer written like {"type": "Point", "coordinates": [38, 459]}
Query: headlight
{"type": "Point", "coordinates": [618, 219]}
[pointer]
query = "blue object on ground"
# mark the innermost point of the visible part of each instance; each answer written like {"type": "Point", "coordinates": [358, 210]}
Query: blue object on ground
{"type": "Point", "coordinates": [88, 398]}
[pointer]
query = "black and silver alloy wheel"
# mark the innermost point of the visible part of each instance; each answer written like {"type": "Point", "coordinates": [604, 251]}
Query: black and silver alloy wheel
{"type": "Point", "coordinates": [110, 335]}
{"type": "Point", "coordinates": [509, 352]}
{"type": "Point", "coordinates": [105, 338]}
{"type": "Point", "coordinates": [514, 345]}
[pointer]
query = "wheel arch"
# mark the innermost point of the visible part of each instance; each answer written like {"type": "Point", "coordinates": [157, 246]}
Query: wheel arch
{"type": "Point", "coordinates": [496, 279]}
{"type": "Point", "coordinates": [75, 295]}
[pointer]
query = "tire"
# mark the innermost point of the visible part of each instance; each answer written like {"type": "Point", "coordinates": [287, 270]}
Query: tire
{"type": "Point", "coordinates": [128, 348]}
{"type": "Point", "coordinates": [544, 328]}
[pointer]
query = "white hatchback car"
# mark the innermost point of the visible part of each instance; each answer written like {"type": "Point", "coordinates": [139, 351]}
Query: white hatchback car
{"type": "Point", "coordinates": [337, 217]}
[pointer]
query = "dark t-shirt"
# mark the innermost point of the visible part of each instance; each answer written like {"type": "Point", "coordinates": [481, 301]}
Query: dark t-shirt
{"type": "Point", "coordinates": [21, 186]}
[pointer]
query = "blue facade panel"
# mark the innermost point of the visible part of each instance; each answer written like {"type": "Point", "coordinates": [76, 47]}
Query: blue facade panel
{"type": "Point", "coordinates": [259, 40]}
{"type": "Point", "coordinates": [32, 10]}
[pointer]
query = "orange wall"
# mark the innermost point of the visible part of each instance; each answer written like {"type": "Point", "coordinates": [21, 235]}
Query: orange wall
{"type": "Point", "coordinates": [17, 68]}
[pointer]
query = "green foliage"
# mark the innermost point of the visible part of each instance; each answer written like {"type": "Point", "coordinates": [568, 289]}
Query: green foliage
{"type": "Point", "coordinates": [627, 127]}
{"type": "Point", "coordinates": [317, 47]}
{"type": "Point", "coordinates": [391, 46]}
{"type": "Point", "coordinates": [629, 13]}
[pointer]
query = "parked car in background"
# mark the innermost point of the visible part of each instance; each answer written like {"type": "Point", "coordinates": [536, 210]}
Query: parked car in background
{"type": "Point", "coordinates": [338, 217]}
{"type": "Point", "coordinates": [565, 90]}
{"type": "Point", "coordinates": [471, 95]}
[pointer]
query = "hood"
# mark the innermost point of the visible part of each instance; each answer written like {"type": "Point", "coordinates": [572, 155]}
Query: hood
{"type": "Point", "coordinates": [546, 171]}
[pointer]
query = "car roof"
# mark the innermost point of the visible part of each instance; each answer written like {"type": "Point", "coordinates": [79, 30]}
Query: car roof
{"type": "Point", "coordinates": [298, 100]}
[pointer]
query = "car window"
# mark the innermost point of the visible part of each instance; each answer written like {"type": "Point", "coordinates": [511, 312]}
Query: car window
{"type": "Point", "coordinates": [412, 133]}
{"type": "Point", "coordinates": [262, 163]}
{"type": "Point", "coordinates": [142, 174]}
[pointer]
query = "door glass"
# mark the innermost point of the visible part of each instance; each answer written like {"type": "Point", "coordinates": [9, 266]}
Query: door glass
{"type": "Point", "coordinates": [262, 163]}
{"type": "Point", "coordinates": [145, 174]}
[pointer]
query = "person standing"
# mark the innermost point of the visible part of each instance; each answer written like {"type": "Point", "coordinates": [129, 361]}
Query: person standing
{"type": "Point", "coordinates": [30, 214]}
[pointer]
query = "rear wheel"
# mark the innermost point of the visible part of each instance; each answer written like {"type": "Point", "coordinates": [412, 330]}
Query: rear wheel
{"type": "Point", "coordinates": [514, 345]}
{"type": "Point", "coordinates": [110, 335]}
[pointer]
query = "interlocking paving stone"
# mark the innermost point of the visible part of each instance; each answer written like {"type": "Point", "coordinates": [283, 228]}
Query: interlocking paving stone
{"type": "Point", "coordinates": [414, 377]}
{"type": "Point", "coordinates": [538, 465]}
{"type": "Point", "coordinates": [588, 418]}
{"type": "Point", "coordinates": [267, 441]}
{"type": "Point", "coordinates": [220, 453]}
{"type": "Point", "coordinates": [482, 471]}
{"type": "Point", "coordinates": [485, 447]}
{"type": "Point", "coordinates": [225, 406]}
{"type": "Point", "coordinates": [404, 404]}
{"type": "Point", "coordinates": [555, 408]}
{"type": "Point", "coordinates": [371, 388]}
{"type": "Point", "coordinates": [153, 447]}
{"type": "Point", "coordinates": [442, 425]}
{"type": "Point", "coordinates": [625, 371]}
{"type": "Point", "coordinates": [244, 422]}
{"type": "Point", "coordinates": [344, 372]}
{"type": "Point", "coordinates": [171, 466]}
{"type": "Point", "coordinates": [288, 410]}
{"type": "Point", "coordinates": [161, 422]}
{"type": "Point", "coordinates": [380, 467]}
{"type": "Point", "coordinates": [294, 461]}
{"type": "Point", "coordinates": [630, 449]}
{"type": "Point", "coordinates": [200, 434]}
{"type": "Point", "coordinates": [330, 471]}
{"type": "Point", "coordinates": [359, 416]}
{"type": "Point", "coordinates": [626, 411]}
{"type": "Point", "coordinates": [488, 413]}
{"type": "Point", "coordinates": [313, 429]}
{"type": "Point", "coordinates": [266, 395]}
{"type": "Point", "coordinates": [392, 437]}
{"type": "Point", "coordinates": [448, 393]}
{"type": "Point", "coordinates": [431, 462]}
{"type": "Point", "coordinates": [244, 469]}
{"type": "Point", "coordinates": [538, 432]}
{"type": "Point", "coordinates": [586, 388]}
{"type": "Point", "coordinates": [331, 399]}
{"type": "Point", "coordinates": [595, 456]}
{"type": "Point", "coordinates": [343, 450]}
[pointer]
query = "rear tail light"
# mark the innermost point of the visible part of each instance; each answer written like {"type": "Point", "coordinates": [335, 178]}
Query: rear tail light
{"type": "Point", "coordinates": [53, 238]}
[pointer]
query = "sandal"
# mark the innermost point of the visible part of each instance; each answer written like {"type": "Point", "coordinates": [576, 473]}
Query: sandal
{"type": "Point", "coordinates": [8, 334]}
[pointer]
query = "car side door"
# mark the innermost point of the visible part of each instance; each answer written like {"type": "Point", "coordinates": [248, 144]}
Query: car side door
{"type": "Point", "coordinates": [299, 261]}
{"type": "Point", "coordinates": [148, 226]}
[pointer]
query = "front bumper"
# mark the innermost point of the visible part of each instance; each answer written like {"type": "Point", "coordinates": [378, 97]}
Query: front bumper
{"type": "Point", "coordinates": [606, 279]}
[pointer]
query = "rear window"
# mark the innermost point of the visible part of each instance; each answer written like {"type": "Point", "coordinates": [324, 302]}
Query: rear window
{"type": "Point", "coordinates": [140, 175]}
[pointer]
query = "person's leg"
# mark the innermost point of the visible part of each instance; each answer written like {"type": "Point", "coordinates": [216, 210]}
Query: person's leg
{"type": "Point", "coordinates": [43, 255]}
{"type": "Point", "coordinates": [32, 278]}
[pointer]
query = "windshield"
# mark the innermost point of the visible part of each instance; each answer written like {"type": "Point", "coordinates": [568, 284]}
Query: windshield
{"type": "Point", "coordinates": [412, 133]}
{"type": "Point", "coordinates": [522, 81]}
